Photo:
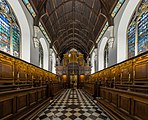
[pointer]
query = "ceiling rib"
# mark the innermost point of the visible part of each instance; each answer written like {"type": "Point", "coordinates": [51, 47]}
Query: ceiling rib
{"type": "Point", "coordinates": [79, 21]}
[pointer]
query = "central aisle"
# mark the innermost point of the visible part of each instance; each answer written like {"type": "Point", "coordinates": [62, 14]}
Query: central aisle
{"type": "Point", "coordinates": [73, 105]}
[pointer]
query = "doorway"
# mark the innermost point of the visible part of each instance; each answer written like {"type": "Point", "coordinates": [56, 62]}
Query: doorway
{"type": "Point", "coordinates": [73, 81]}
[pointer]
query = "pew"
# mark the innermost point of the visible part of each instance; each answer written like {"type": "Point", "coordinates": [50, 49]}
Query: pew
{"type": "Point", "coordinates": [122, 89]}
{"type": "Point", "coordinates": [25, 89]}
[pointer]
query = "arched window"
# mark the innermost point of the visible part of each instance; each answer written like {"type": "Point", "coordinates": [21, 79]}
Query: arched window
{"type": "Point", "coordinates": [10, 34]}
{"type": "Point", "coordinates": [41, 55]}
{"type": "Point", "coordinates": [137, 33]}
{"type": "Point", "coordinates": [106, 51]}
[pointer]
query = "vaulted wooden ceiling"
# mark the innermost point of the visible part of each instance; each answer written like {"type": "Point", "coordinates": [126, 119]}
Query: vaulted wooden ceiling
{"type": "Point", "coordinates": [73, 23]}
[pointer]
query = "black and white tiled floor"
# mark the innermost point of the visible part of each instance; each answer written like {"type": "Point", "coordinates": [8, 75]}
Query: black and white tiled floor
{"type": "Point", "coordinates": [73, 105]}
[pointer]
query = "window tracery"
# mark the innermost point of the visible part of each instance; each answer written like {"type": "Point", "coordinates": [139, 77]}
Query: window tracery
{"type": "Point", "coordinates": [137, 33]}
{"type": "Point", "coordinates": [10, 33]}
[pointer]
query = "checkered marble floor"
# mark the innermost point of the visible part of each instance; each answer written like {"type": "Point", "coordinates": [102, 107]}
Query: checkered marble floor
{"type": "Point", "coordinates": [73, 105]}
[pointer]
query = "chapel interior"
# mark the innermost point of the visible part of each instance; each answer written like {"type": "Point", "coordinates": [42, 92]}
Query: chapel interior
{"type": "Point", "coordinates": [73, 59]}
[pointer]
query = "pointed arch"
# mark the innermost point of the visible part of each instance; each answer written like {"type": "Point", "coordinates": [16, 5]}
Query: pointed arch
{"type": "Point", "coordinates": [101, 52]}
{"type": "Point", "coordinates": [45, 53]}
{"type": "Point", "coordinates": [122, 30]}
{"type": "Point", "coordinates": [25, 29]}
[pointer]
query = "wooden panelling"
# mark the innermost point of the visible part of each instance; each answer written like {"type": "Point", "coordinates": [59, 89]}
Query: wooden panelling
{"type": "Point", "coordinates": [24, 86]}
{"type": "Point", "coordinates": [114, 99]}
{"type": "Point", "coordinates": [129, 75]}
{"type": "Point", "coordinates": [89, 88]}
{"type": "Point", "coordinates": [44, 92]}
{"type": "Point", "coordinates": [17, 101]}
{"type": "Point", "coordinates": [126, 72]}
{"type": "Point", "coordinates": [124, 103]}
{"type": "Point", "coordinates": [39, 93]}
{"type": "Point", "coordinates": [21, 102]}
{"type": "Point", "coordinates": [103, 94]}
{"type": "Point", "coordinates": [56, 88]}
{"type": "Point", "coordinates": [17, 72]}
{"type": "Point", "coordinates": [133, 105]}
{"type": "Point", "coordinates": [32, 97]}
{"type": "Point", "coordinates": [21, 71]}
{"type": "Point", "coordinates": [108, 77]}
{"type": "Point", "coordinates": [115, 75]}
{"type": "Point", "coordinates": [122, 88]}
{"type": "Point", "coordinates": [6, 104]}
{"type": "Point", "coordinates": [108, 96]}
{"type": "Point", "coordinates": [141, 70]}
{"type": "Point", "coordinates": [140, 110]}
{"type": "Point", "coordinates": [7, 68]}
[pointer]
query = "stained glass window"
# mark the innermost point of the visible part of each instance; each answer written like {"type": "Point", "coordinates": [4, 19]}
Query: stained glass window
{"type": "Point", "coordinates": [28, 5]}
{"type": "Point", "coordinates": [117, 7]}
{"type": "Point", "coordinates": [4, 34]}
{"type": "Point", "coordinates": [115, 11]}
{"type": "Point", "coordinates": [4, 6]}
{"type": "Point", "coordinates": [9, 30]}
{"type": "Point", "coordinates": [143, 33]}
{"type": "Point", "coordinates": [16, 40]}
{"type": "Point", "coordinates": [138, 30]}
{"type": "Point", "coordinates": [131, 41]}
{"type": "Point", "coordinates": [106, 57]}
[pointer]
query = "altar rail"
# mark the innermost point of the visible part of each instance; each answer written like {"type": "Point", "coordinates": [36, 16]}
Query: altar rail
{"type": "Point", "coordinates": [122, 89]}
{"type": "Point", "coordinates": [25, 89]}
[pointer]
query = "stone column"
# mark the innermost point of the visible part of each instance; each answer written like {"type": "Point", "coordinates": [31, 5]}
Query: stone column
{"type": "Point", "coordinates": [111, 38]}
{"type": "Point", "coordinates": [35, 37]}
{"type": "Point", "coordinates": [136, 40]}
{"type": "Point", "coordinates": [50, 60]}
